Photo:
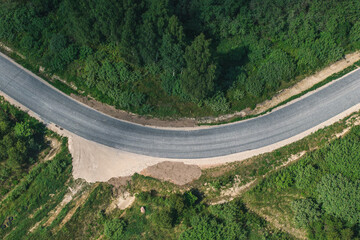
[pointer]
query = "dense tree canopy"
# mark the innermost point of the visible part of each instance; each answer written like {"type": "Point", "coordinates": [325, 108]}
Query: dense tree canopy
{"type": "Point", "coordinates": [198, 77]}
{"type": "Point", "coordinates": [180, 53]}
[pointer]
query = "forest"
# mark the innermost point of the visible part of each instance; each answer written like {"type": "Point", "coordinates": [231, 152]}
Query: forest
{"type": "Point", "coordinates": [181, 58]}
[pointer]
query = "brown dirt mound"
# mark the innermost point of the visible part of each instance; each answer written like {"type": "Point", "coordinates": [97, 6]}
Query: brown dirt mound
{"type": "Point", "coordinates": [175, 172]}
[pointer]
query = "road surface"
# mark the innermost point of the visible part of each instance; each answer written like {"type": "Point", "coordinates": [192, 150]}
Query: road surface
{"type": "Point", "coordinates": [293, 119]}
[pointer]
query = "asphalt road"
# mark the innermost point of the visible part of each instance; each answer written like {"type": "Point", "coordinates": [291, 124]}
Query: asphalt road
{"type": "Point", "coordinates": [279, 125]}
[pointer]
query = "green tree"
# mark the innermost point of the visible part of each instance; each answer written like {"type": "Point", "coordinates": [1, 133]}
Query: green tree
{"type": "Point", "coordinates": [198, 77]}
{"type": "Point", "coordinates": [57, 43]}
{"type": "Point", "coordinates": [172, 46]}
{"type": "Point", "coordinates": [164, 218]}
{"type": "Point", "coordinates": [23, 130]}
{"type": "Point", "coordinates": [277, 67]}
{"type": "Point", "coordinates": [355, 35]}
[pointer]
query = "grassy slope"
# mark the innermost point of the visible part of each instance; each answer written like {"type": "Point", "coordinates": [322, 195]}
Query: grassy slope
{"type": "Point", "coordinates": [38, 194]}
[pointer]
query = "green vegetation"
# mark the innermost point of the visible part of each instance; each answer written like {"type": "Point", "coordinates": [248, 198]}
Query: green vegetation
{"type": "Point", "coordinates": [27, 183]}
{"type": "Point", "coordinates": [181, 58]}
{"type": "Point", "coordinates": [185, 216]}
{"type": "Point", "coordinates": [333, 77]}
{"type": "Point", "coordinates": [34, 206]}
{"type": "Point", "coordinates": [327, 185]}
{"type": "Point", "coordinates": [21, 140]}
{"type": "Point", "coordinates": [317, 193]}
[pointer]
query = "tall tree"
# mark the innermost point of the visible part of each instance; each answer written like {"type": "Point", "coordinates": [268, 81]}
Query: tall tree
{"type": "Point", "coordinates": [198, 77]}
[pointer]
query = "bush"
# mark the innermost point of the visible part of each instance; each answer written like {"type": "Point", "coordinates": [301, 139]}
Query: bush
{"type": "Point", "coordinates": [115, 228]}
{"type": "Point", "coordinates": [254, 86]}
{"type": "Point", "coordinates": [164, 218]}
{"type": "Point", "coordinates": [305, 176]}
{"type": "Point", "coordinates": [340, 197]}
{"type": "Point", "coordinates": [218, 103]}
{"type": "Point", "coordinates": [284, 179]}
{"type": "Point", "coordinates": [306, 212]}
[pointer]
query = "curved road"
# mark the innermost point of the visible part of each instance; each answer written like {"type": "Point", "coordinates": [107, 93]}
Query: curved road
{"type": "Point", "coordinates": [55, 107]}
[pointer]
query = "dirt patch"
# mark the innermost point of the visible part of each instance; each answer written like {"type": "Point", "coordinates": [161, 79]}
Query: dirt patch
{"type": "Point", "coordinates": [292, 158]}
{"type": "Point", "coordinates": [351, 122]}
{"type": "Point", "coordinates": [34, 227]}
{"type": "Point", "coordinates": [122, 202]}
{"type": "Point", "coordinates": [10, 50]}
{"type": "Point", "coordinates": [239, 187]}
{"type": "Point", "coordinates": [119, 184]}
{"type": "Point", "coordinates": [98, 163]}
{"type": "Point", "coordinates": [175, 172]}
{"type": "Point", "coordinates": [55, 147]}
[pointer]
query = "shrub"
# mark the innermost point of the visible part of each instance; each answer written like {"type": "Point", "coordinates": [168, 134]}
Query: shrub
{"type": "Point", "coordinates": [284, 180]}
{"type": "Point", "coordinates": [254, 86]}
{"type": "Point", "coordinates": [305, 176]}
{"type": "Point", "coordinates": [114, 228]}
{"type": "Point", "coordinates": [218, 103]}
{"type": "Point", "coordinates": [306, 212]}
{"type": "Point", "coordinates": [340, 197]}
{"type": "Point", "coordinates": [164, 218]}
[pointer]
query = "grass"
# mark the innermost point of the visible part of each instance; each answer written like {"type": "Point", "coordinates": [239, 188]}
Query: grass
{"type": "Point", "coordinates": [31, 201]}
{"type": "Point", "coordinates": [258, 166]}
{"type": "Point", "coordinates": [87, 220]}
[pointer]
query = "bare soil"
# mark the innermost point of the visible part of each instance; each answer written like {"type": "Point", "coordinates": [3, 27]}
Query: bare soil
{"type": "Point", "coordinates": [67, 198]}
{"type": "Point", "coordinates": [175, 172]}
{"type": "Point", "coordinates": [55, 147]}
{"type": "Point", "coordinates": [119, 184]}
{"type": "Point", "coordinates": [122, 202]}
